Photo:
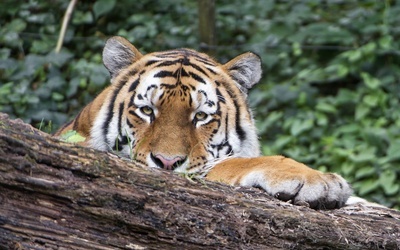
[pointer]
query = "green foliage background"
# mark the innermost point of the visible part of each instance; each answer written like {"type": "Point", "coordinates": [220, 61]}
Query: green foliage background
{"type": "Point", "coordinates": [329, 96]}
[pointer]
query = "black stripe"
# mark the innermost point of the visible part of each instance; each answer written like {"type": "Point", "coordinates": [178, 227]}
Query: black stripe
{"type": "Point", "coordinates": [210, 103]}
{"type": "Point", "coordinates": [204, 60]}
{"type": "Point", "coordinates": [197, 68]}
{"type": "Point", "coordinates": [153, 86]}
{"type": "Point", "coordinates": [167, 63]}
{"type": "Point", "coordinates": [212, 153]}
{"type": "Point", "coordinates": [151, 62]}
{"type": "Point", "coordinates": [226, 127]}
{"type": "Point", "coordinates": [132, 72]}
{"type": "Point", "coordinates": [197, 56]}
{"type": "Point", "coordinates": [239, 130]}
{"type": "Point", "coordinates": [161, 96]}
{"type": "Point", "coordinates": [229, 150]}
{"type": "Point", "coordinates": [131, 101]}
{"type": "Point", "coordinates": [76, 121]}
{"type": "Point", "coordinates": [197, 77]}
{"type": "Point", "coordinates": [163, 73]}
{"type": "Point", "coordinates": [120, 112]}
{"type": "Point", "coordinates": [124, 140]}
{"type": "Point", "coordinates": [185, 52]}
{"type": "Point", "coordinates": [190, 100]}
{"type": "Point", "coordinates": [134, 85]}
{"type": "Point", "coordinates": [211, 70]}
{"type": "Point", "coordinates": [183, 72]}
{"type": "Point", "coordinates": [129, 123]}
{"type": "Point", "coordinates": [134, 114]}
{"type": "Point", "coordinates": [167, 86]}
{"type": "Point", "coordinates": [110, 109]}
{"type": "Point", "coordinates": [204, 93]}
{"type": "Point", "coordinates": [235, 67]}
{"type": "Point", "coordinates": [240, 82]}
{"type": "Point", "coordinates": [167, 55]}
{"type": "Point", "coordinates": [119, 143]}
{"type": "Point", "coordinates": [220, 97]}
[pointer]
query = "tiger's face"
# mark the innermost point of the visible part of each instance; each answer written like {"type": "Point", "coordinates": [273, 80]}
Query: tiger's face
{"type": "Point", "coordinates": [178, 110]}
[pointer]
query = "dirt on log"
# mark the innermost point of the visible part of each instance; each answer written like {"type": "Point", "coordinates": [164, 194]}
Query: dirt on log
{"type": "Point", "coordinates": [56, 195]}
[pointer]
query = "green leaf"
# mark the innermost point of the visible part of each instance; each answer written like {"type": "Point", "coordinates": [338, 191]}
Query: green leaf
{"type": "Point", "coordinates": [393, 151]}
{"type": "Point", "coordinates": [348, 168]}
{"type": "Point", "coordinates": [371, 82]}
{"type": "Point", "coordinates": [73, 137]}
{"type": "Point", "coordinates": [296, 49]}
{"type": "Point", "coordinates": [392, 189]}
{"type": "Point", "coordinates": [364, 155]}
{"type": "Point", "coordinates": [300, 126]}
{"type": "Point", "coordinates": [366, 171]}
{"type": "Point", "coordinates": [59, 59]}
{"type": "Point", "coordinates": [102, 7]}
{"type": "Point", "coordinates": [377, 137]}
{"type": "Point", "coordinates": [321, 119]}
{"type": "Point", "coordinates": [57, 96]}
{"type": "Point", "coordinates": [369, 48]}
{"type": "Point", "coordinates": [371, 100]}
{"type": "Point", "coordinates": [354, 55]}
{"type": "Point", "coordinates": [346, 96]}
{"type": "Point", "coordinates": [81, 17]}
{"type": "Point", "coordinates": [386, 42]}
{"type": "Point", "coordinates": [6, 89]}
{"type": "Point", "coordinates": [387, 180]}
{"type": "Point", "coordinates": [361, 111]}
{"type": "Point", "coordinates": [367, 186]}
{"type": "Point", "coordinates": [17, 25]}
{"type": "Point", "coordinates": [326, 107]}
{"type": "Point", "coordinates": [347, 129]}
{"type": "Point", "coordinates": [336, 71]}
{"type": "Point", "coordinates": [41, 47]}
{"type": "Point", "coordinates": [282, 141]}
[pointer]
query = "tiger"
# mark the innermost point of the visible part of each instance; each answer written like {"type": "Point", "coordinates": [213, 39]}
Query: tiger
{"type": "Point", "coordinates": [180, 110]}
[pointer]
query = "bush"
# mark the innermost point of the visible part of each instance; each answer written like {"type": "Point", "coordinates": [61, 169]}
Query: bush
{"type": "Point", "coordinates": [329, 96]}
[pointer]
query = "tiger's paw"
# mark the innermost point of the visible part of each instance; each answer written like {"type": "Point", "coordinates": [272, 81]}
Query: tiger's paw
{"type": "Point", "coordinates": [286, 180]}
{"type": "Point", "coordinates": [307, 187]}
{"type": "Point", "coordinates": [322, 191]}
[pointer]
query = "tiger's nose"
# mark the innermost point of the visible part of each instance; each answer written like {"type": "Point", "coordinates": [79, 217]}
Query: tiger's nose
{"type": "Point", "coordinates": [166, 162]}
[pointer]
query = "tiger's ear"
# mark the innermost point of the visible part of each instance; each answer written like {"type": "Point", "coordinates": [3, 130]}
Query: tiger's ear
{"type": "Point", "coordinates": [245, 69]}
{"type": "Point", "coordinates": [119, 53]}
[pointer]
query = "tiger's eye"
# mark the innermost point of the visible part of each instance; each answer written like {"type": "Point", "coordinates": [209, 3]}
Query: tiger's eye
{"type": "Point", "coordinates": [200, 116]}
{"type": "Point", "coordinates": [147, 110]}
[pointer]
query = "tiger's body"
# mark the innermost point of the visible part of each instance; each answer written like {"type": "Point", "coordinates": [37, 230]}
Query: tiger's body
{"type": "Point", "coordinates": [180, 110]}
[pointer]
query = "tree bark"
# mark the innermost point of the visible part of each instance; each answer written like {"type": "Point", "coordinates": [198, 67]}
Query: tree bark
{"type": "Point", "coordinates": [208, 37]}
{"type": "Point", "coordinates": [56, 195]}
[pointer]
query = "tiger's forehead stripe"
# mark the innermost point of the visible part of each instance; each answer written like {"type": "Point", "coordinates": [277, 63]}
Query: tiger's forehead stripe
{"type": "Point", "coordinates": [173, 66]}
{"type": "Point", "coordinates": [185, 57]}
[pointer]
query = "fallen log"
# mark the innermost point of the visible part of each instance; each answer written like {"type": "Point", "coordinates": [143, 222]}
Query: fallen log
{"type": "Point", "coordinates": [57, 195]}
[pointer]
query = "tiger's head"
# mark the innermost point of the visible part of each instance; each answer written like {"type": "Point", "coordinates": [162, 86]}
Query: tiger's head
{"type": "Point", "coordinates": [178, 110]}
